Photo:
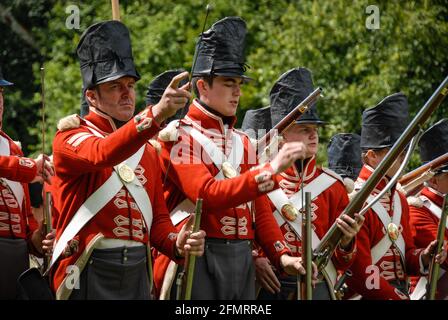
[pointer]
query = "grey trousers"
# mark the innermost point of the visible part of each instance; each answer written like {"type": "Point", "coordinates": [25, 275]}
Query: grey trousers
{"type": "Point", "coordinates": [224, 272]}
{"type": "Point", "coordinates": [14, 260]}
{"type": "Point", "coordinates": [115, 274]}
{"type": "Point", "coordinates": [288, 290]}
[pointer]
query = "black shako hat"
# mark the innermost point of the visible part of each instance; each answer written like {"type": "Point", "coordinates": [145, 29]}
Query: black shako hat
{"type": "Point", "coordinates": [257, 121]}
{"type": "Point", "coordinates": [383, 124]}
{"type": "Point", "coordinates": [3, 81]}
{"type": "Point", "coordinates": [159, 84]}
{"type": "Point", "coordinates": [157, 87]}
{"type": "Point", "coordinates": [220, 50]}
{"type": "Point", "coordinates": [344, 155]}
{"type": "Point", "coordinates": [288, 91]}
{"type": "Point", "coordinates": [434, 143]}
{"type": "Point", "coordinates": [105, 54]}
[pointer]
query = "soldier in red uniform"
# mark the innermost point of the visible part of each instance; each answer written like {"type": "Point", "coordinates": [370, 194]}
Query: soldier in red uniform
{"type": "Point", "coordinates": [425, 209]}
{"type": "Point", "coordinates": [20, 233]}
{"type": "Point", "coordinates": [203, 156]}
{"type": "Point", "coordinates": [108, 189]}
{"type": "Point", "coordinates": [328, 193]}
{"type": "Point", "coordinates": [386, 251]}
{"type": "Point", "coordinates": [344, 157]}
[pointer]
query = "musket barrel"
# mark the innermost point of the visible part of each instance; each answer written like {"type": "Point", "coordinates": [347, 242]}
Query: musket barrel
{"type": "Point", "coordinates": [190, 260]}
{"type": "Point", "coordinates": [333, 236]}
{"type": "Point", "coordinates": [301, 108]}
{"type": "Point", "coordinates": [433, 276]}
{"type": "Point", "coordinates": [307, 257]}
{"type": "Point", "coordinates": [430, 166]}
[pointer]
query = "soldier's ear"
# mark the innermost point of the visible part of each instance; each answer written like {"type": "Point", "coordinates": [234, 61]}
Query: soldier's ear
{"type": "Point", "coordinates": [370, 157]}
{"type": "Point", "coordinates": [92, 97]}
{"type": "Point", "coordinates": [202, 86]}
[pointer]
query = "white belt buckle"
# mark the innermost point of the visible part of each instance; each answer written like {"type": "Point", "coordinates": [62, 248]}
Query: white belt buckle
{"type": "Point", "coordinates": [126, 173]}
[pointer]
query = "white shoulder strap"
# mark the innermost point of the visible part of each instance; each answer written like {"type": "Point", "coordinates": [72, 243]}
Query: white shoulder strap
{"type": "Point", "coordinates": [279, 199]}
{"type": "Point", "coordinates": [101, 197]}
{"type": "Point", "coordinates": [182, 211]}
{"type": "Point", "coordinates": [380, 249]}
{"type": "Point", "coordinates": [135, 188]}
{"type": "Point", "coordinates": [435, 209]}
{"type": "Point", "coordinates": [235, 158]}
{"type": "Point", "coordinates": [16, 187]}
{"type": "Point", "coordinates": [215, 153]}
{"type": "Point", "coordinates": [316, 187]}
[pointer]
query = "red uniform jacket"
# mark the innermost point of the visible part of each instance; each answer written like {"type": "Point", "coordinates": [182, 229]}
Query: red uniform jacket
{"type": "Point", "coordinates": [224, 211]}
{"type": "Point", "coordinates": [16, 221]}
{"type": "Point", "coordinates": [325, 209]}
{"type": "Point", "coordinates": [390, 266]}
{"type": "Point", "coordinates": [83, 162]}
{"type": "Point", "coordinates": [424, 224]}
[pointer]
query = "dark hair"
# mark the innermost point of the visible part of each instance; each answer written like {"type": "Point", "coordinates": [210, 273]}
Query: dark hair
{"type": "Point", "coordinates": [93, 88]}
{"type": "Point", "coordinates": [207, 78]}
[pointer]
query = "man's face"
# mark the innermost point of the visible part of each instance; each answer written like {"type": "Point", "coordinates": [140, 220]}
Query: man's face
{"type": "Point", "coordinates": [440, 182]}
{"type": "Point", "coordinates": [223, 95]}
{"type": "Point", "coordinates": [1, 107]}
{"type": "Point", "coordinates": [375, 157]}
{"type": "Point", "coordinates": [306, 133]}
{"type": "Point", "coordinates": [115, 98]}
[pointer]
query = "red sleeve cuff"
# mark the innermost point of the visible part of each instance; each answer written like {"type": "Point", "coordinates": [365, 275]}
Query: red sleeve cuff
{"type": "Point", "coordinates": [346, 256]}
{"type": "Point", "coordinates": [258, 173]}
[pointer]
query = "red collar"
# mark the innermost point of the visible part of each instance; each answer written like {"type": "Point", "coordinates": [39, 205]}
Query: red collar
{"type": "Point", "coordinates": [206, 119]}
{"type": "Point", "coordinates": [294, 175]}
{"type": "Point", "coordinates": [103, 121]}
{"type": "Point", "coordinates": [366, 172]}
{"type": "Point", "coordinates": [433, 195]}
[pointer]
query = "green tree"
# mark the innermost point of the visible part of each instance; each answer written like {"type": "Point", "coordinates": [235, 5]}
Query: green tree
{"type": "Point", "coordinates": [355, 66]}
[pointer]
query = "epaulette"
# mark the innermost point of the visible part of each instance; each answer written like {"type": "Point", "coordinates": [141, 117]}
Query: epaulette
{"type": "Point", "coordinates": [156, 144]}
{"type": "Point", "coordinates": [400, 188]}
{"type": "Point", "coordinates": [415, 202]}
{"type": "Point", "coordinates": [349, 185]}
{"type": "Point", "coordinates": [170, 132]}
{"type": "Point", "coordinates": [332, 174]}
{"type": "Point", "coordinates": [70, 122]}
{"type": "Point", "coordinates": [352, 194]}
{"type": "Point", "coordinates": [254, 143]}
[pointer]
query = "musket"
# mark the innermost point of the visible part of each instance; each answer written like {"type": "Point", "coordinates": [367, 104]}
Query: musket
{"type": "Point", "coordinates": [306, 289]}
{"type": "Point", "coordinates": [414, 180]}
{"type": "Point", "coordinates": [267, 142]}
{"type": "Point", "coordinates": [434, 267]}
{"type": "Point", "coordinates": [190, 260]}
{"type": "Point", "coordinates": [115, 10]}
{"type": "Point", "coordinates": [34, 283]}
{"type": "Point", "coordinates": [331, 239]}
{"type": "Point", "coordinates": [46, 204]}
{"type": "Point", "coordinates": [208, 8]}
{"type": "Point", "coordinates": [339, 287]}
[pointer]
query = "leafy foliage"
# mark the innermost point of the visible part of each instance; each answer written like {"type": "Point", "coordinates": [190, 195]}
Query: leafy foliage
{"type": "Point", "coordinates": [357, 67]}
